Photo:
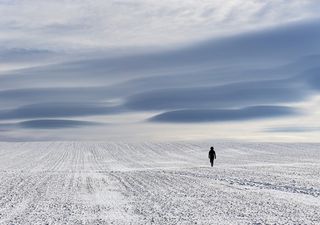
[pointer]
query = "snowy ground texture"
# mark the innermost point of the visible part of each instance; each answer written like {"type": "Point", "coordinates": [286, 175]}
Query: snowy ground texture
{"type": "Point", "coordinates": [154, 183]}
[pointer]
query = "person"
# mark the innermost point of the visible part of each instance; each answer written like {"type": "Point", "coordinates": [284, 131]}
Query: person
{"type": "Point", "coordinates": [212, 155]}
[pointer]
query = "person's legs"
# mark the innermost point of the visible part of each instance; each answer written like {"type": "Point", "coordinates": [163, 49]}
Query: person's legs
{"type": "Point", "coordinates": [211, 161]}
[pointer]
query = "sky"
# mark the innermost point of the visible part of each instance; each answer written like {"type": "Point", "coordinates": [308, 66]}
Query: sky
{"type": "Point", "coordinates": [119, 70]}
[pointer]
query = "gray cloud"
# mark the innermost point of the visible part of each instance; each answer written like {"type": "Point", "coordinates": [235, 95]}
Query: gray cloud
{"type": "Point", "coordinates": [312, 77]}
{"type": "Point", "coordinates": [217, 80]}
{"type": "Point", "coordinates": [54, 110]}
{"type": "Point", "coordinates": [220, 115]}
{"type": "Point", "coordinates": [54, 124]}
{"type": "Point", "coordinates": [17, 55]}
{"type": "Point", "coordinates": [274, 44]}
{"type": "Point", "coordinates": [291, 129]}
{"type": "Point", "coordinates": [110, 23]}
{"type": "Point", "coordinates": [231, 95]}
{"type": "Point", "coordinates": [20, 97]}
{"type": "Point", "coordinates": [47, 124]}
{"type": "Point", "coordinates": [265, 48]}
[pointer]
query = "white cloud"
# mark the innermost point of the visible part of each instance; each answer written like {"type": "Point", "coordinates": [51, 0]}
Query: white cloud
{"type": "Point", "coordinates": [89, 24]}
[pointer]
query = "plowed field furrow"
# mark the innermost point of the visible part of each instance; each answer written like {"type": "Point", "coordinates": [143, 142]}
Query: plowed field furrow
{"type": "Point", "coordinates": [159, 183]}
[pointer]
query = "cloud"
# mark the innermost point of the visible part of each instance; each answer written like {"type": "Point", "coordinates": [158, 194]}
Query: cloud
{"type": "Point", "coordinates": [68, 25]}
{"type": "Point", "coordinates": [54, 124]}
{"type": "Point", "coordinates": [231, 95]}
{"type": "Point", "coordinates": [268, 48]}
{"type": "Point", "coordinates": [20, 97]}
{"type": "Point", "coordinates": [221, 79]}
{"type": "Point", "coordinates": [47, 124]}
{"type": "Point", "coordinates": [54, 110]}
{"type": "Point", "coordinates": [16, 55]}
{"type": "Point", "coordinates": [312, 77]}
{"type": "Point", "coordinates": [291, 129]}
{"type": "Point", "coordinates": [220, 115]}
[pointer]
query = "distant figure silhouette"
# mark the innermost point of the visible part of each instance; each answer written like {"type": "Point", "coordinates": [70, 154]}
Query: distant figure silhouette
{"type": "Point", "coordinates": [212, 155]}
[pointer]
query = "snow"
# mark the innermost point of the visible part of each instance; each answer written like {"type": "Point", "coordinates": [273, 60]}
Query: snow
{"type": "Point", "coordinates": [159, 183]}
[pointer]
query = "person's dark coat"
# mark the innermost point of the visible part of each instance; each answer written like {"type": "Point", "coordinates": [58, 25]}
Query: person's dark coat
{"type": "Point", "coordinates": [212, 156]}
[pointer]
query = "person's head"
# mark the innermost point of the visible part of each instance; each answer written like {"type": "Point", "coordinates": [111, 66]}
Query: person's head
{"type": "Point", "coordinates": [211, 148]}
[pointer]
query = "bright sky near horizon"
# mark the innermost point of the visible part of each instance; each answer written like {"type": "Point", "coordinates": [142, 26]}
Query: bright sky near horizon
{"type": "Point", "coordinates": [159, 70]}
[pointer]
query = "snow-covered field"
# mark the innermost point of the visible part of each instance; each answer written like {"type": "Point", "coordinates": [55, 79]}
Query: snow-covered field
{"type": "Point", "coordinates": [157, 183]}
